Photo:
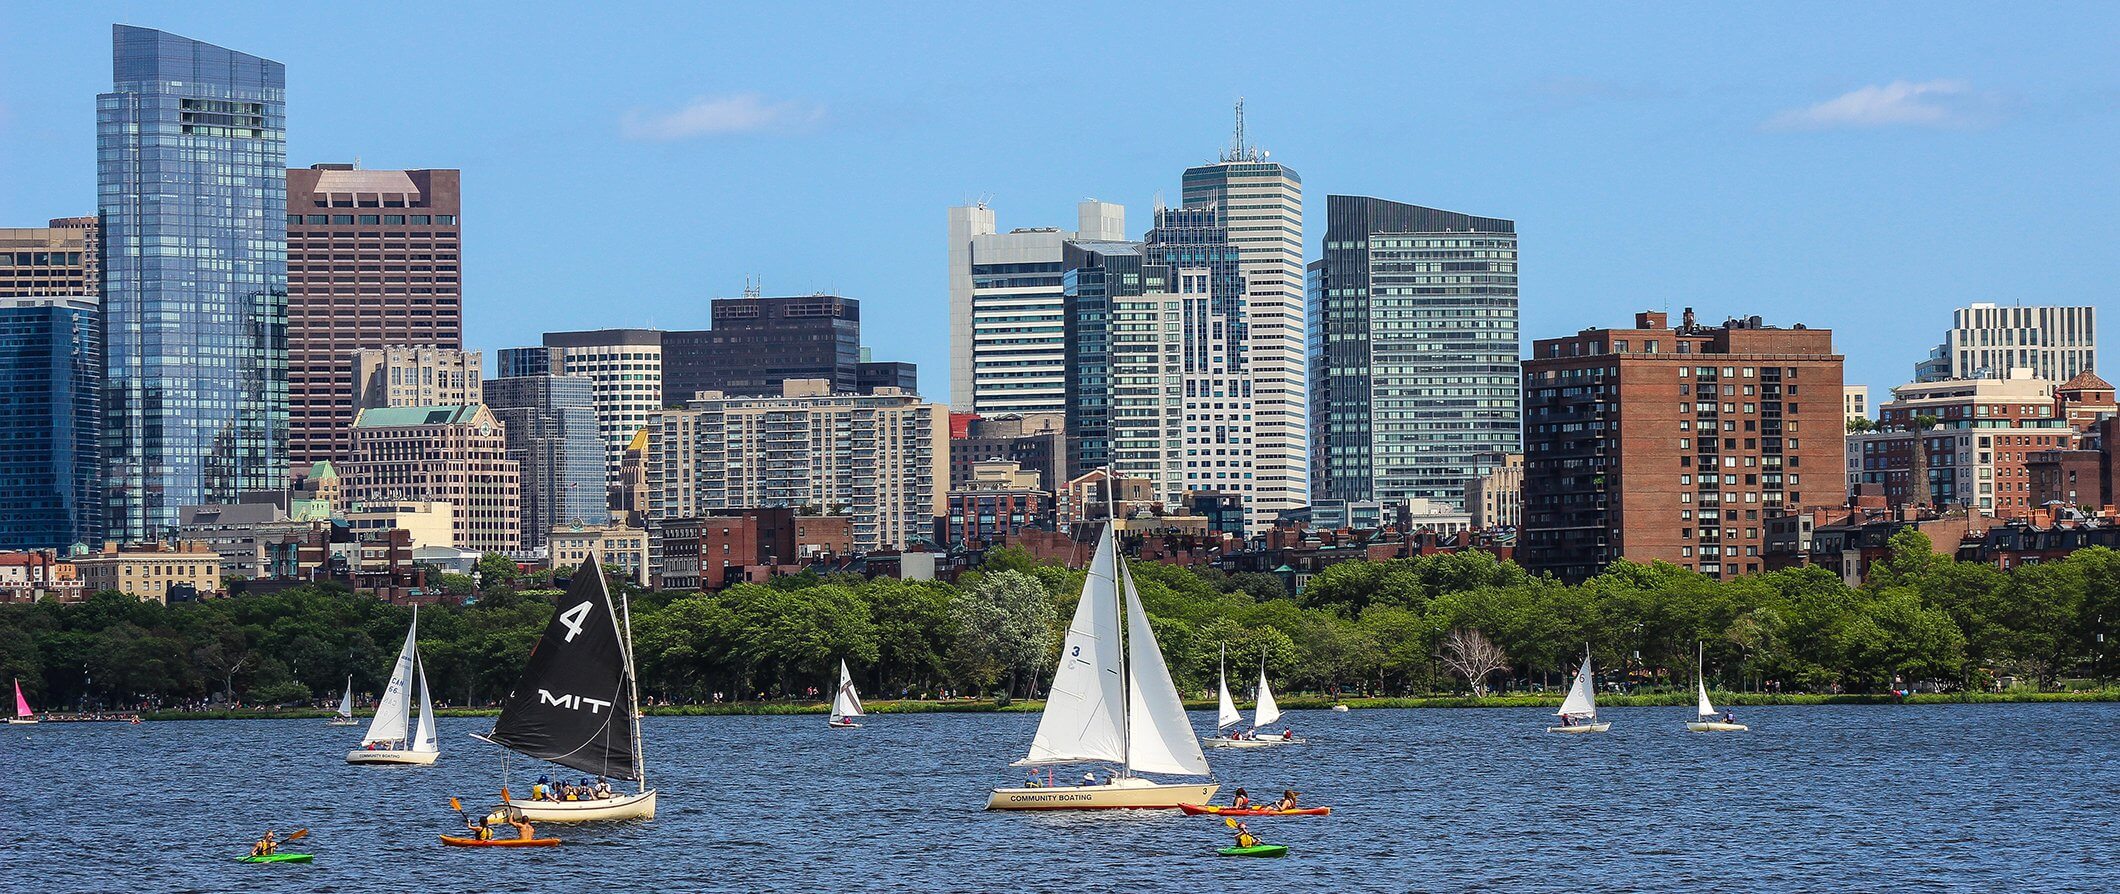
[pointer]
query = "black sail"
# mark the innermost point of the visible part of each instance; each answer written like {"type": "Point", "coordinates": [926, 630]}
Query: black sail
{"type": "Point", "coordinates": [574, 703]}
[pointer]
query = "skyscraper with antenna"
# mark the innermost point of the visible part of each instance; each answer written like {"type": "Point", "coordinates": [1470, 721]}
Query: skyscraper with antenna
{"type": "Point", "coordinates": [1261, 202]}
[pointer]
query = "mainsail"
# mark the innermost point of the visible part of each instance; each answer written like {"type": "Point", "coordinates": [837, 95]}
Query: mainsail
{"type": "Point", "coordinates": [1268, 711]}
{"type": "Point", "coordinates": [1581, 701]}
{"type": "Point", "coordinates": [1159, 737]}
{"type": "Point", "coordinates": [1081, 721]}
{"type": "Point", "coordinates": [846, 702]}
{"type": "Point", "coordinates": [346, 701]}
{"type": "Point", "coordinates": [21, 704]}
{"type": "Point", "coordinates": [574, 704]}
{"type": "Point", "coordinates": [1228, 711]}
{"type": "Point", "coordinates": [393, 711]}
{"type": "Point", "coordinates": [1706, 707]}
{"type": "Point", "coordinates": [425, 740]}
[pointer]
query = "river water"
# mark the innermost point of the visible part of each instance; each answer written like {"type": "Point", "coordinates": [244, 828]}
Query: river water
{"type": "Point", "coordinates": [1831, 798]}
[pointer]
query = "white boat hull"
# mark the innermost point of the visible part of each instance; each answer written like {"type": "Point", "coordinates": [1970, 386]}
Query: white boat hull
{"type": "Point", "coordinates": [639, 806]}
{"type": "Point", "coordinates": [1262, 742]}
{"type": "Point", "coordinates": [22, 721]}
{"type": "Point", "coordinates": [1580, 728]}
{"type": "Point", "coordinates": [842, 724]}
{"type": "Point", "coordinates": [1124, 794]}
{"type": "Point", "coordinates": [1340, 708]}
{"type": "Point", "coordinates": [342, 721]}
{"type": "Point", "coordinates": [1716, 727]}
{"type": "Point", "coordinates": [391, 756]}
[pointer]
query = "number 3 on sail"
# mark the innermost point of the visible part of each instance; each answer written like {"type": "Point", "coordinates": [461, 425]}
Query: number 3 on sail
{"type": "Point", "coordinates": [576, 704]}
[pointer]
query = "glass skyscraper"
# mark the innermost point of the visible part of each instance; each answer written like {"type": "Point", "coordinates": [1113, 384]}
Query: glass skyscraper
{"type": "Point", "coordinates": [1414, 347]}
{"type": "Point", "coordinates": [51, 419]}
{"type": "Point", "coordinates": [550, 424]}
{"type": "Point", "coordinates": [191, 186]}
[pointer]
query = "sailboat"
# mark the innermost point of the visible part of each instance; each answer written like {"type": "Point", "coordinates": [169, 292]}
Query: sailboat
{"type": "Point", "coordinates": [23, 715]}
{"type": "Point", "coordinates": [846, 703]}
{"type": "Point", "coordinates": [576, 704]}
{"type": "Point", "coordinates": [387, 741]}
{"type": "Point", "coordinates": [1579, 710]}
{"type": "Point", "coordinates": [344, 717]}
{"type": "Point", "coordinates": [1707, 719]}
{"type": "Point", "coordinates": [1112, 702]}
{"type": "Point", "coordinates": [1226, 715]}
{"type": "Point", "coordinates": [1265, 712]}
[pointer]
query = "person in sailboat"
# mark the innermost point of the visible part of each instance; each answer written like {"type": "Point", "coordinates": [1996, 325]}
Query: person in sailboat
{"type": "Point", "coordinates": [1031, 781]}
{"type": "Point", "coordinates": [1089, 778]}
{"type": "Point", "coordinates": [1729, 716]}
{"type": "Point", "coordinates": [603, 788]}
{"type": "Point", "coordinates": [1288, 734]}
{"type": "Point", "coordinates": [541, 790]}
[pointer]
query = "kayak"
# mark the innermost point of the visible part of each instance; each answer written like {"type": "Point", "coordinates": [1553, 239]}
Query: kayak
{"type": "Point", "coordinates": [1256, 850]}
{"type": "Point", "coordinates": [1217, 810]}
{"type": "Point", "coordinates": [278, 858]}
{"type": "Point", "coordinates": [456, 841]}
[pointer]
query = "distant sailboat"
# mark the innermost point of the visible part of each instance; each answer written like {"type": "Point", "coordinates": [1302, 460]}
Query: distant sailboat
{"type": "Point", "coordinates": [23, 715]}
{"type": "Point", "coordinates": [576, 704]}
{"type": "Point", "coordinates": [846, 703]}
{"type": "Point", "coordinates": [1578, 711]}
{"type": "Point", "coordinates": [394, 737]}
{"type": "Point", "coordinates": [1707, 719]}
{"type": "Point", "coordinates": [1227, 716]}
{"type": "Point", "coordinates": [1265, 712]}
{"type": "Point", "coordinates": [344, 717]}
{"type": "Point", "coordinates": [1111, 702]}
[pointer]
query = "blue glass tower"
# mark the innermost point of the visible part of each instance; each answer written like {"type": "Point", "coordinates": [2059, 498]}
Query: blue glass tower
{"type": "Point", "coordinates": [51, 422]}
{"type": "Point", "coordinates": [191, 185]}
{"type": "Point", "coordinates": [550, 423]}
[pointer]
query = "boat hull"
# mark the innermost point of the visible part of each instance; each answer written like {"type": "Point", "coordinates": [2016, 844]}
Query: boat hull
{"type": "Point", "coordinates": [842, 724]}
{"type": "Point", "coordinates": [22, 721]}
{"type": "Point", "coordinates": [461, 841]}
{"type": "Point", "coordinates": [278, 858]}
{"type": "Point", "coordinates": [1340, 708]}
{"type": "Point", "coordinates": [1256, 850]}
{"type": "Point", "coordinates": [1581, 728]}
{"type": "Point", "coordinates": [342, 721]}
{"type": "Point", "coordinates": [1218, 810]}
{"type": "Point", "coordinates": [1219, 742]}
{"type": "Point", "coordinates": [1136, 795]}
{"type": "Point", "coordinates": [391, 756]}
{"type": "Point", "coordinates": [1717, 727]}
{"type": "Point", "coordinates": [624, 807]}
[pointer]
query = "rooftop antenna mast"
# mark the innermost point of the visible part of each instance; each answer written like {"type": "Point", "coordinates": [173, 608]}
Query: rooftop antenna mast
{"type": "Point", "coordinates": [1236, 139]}
{"type": "Point", "coordinates": [751, 287]}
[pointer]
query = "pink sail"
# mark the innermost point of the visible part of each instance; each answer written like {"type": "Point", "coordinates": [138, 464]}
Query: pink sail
{"type": "Point", "coordinates": [21, 704]}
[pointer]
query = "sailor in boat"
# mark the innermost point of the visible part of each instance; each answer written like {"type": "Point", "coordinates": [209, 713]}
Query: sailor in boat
{"type": "Point", "coordinates": [1031, 781]}
{"type": "Point", "coordinates": [542, 789]}
{"type": "Point", "coordinates": [1288, 800]}
{"type": "Point", "coordinates": [1288, 734]}
{"type": "Point", "coordinates": [1729, 716]}
{"type": "Point", "coordinates": [1090, 778]}
{"type": "Point", "coordinates": [266, 846]}
{"type": "Point", "coordinates": [603, 788]}
{"type": "Point", "coordinates": [1241, 801]}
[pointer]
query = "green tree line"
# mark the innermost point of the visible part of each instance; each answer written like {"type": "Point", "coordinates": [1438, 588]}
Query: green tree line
{"type": "Point", "coordinates": [1357, 627]}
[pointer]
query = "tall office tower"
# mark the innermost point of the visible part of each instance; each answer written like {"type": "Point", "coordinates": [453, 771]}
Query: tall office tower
{"type": "Point", "coordinates": [1986, 342]}
{"type": "Point", "coordinates": [1156, 380]}
{"type": "Point", "coordinates": [1675, 444]}
{"type": "Point", "coordinates": [51, 422]}
{"type": "Point", "coordinates": [539, 361]}
{"type": "Point", "coordinates": [191, 182]}
{"type": "Point", "coordinates": [1413, 352]}
{"type": "Point", "coordinates": [372, 263]}
{"type": "Point", "coordinates": [457, 455]}
{"type": "Point", "coordinates": [550, 424]}
{"type": "Point", "coordinates": [416, 377]}
{"type": "Point", "coordinates": [53, 261]}
{"type": "Point", "coordinates": [881, 459]}
{"type": "Point", "coordinates": [1262, 206]}
{"type": "Point", "coordinates": [626, 365]}
{"type": "Point", "coordinates": [1007, 326]}
{"type": "Point", "coordinates": [757, 343]}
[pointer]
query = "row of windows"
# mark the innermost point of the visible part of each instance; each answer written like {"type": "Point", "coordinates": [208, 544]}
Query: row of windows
{"type": "Point", "coordinates": [371, 220]}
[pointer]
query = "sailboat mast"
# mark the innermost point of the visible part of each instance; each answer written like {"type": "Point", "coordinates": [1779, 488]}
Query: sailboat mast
{"type": "Point", "coordinates": [640, 758]}
{"type": "Point", "coordinates": [1119, 584]}
{"type": "Point", "coordinates": [412, 734]}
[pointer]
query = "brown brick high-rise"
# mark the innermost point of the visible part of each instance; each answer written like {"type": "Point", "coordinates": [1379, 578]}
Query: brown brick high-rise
{"type": "Point", "coordinates": [1675, 444]}
{"type": "Point", "coordinates": [372, 262]}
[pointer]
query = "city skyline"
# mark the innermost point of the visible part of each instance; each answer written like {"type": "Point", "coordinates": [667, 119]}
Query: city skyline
{"type": "Point", "coordinates": [1812, 167]}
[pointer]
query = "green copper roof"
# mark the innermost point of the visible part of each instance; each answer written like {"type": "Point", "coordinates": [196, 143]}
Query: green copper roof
{"type": "Point", "coordinates": [378, 417]}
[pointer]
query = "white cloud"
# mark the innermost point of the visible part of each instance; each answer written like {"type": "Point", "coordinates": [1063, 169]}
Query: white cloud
{"type": "Point", "coordinates": [1942, 104]}
{"type": "Point", "coordinates": [708, 116]}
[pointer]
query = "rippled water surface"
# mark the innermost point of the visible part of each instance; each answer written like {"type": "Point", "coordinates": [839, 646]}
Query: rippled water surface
{"type": "Point", "coordinates": [1835, 798]}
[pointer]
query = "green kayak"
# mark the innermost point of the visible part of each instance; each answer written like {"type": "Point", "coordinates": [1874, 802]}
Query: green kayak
{"type": "Point", "coordinates": [1256, 850]}
{"type": "Point", "coordinates": [278, 858]}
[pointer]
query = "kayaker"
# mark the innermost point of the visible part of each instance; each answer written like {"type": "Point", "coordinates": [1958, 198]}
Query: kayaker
{"type": "Point", "coordinates": [523, 832]}
{"type": "Point", "coordinates": [1241, 801]}
{"type": "Point", "coordinates": [1244, 836]}
{"type": "Point", "coordinates": [1288, 800]}
{"type": "Point", "coordinates": [266, 846]}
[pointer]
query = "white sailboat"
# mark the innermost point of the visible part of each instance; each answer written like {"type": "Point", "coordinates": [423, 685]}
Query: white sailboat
{"type": "Point", "coordinates": [1265, 712]}
{"type": "Point", "coordinates": [394, 737]}
{"type": "Point", "coordinates": [576, 705]}
{"type": "Point", "coordinates": [23, 715]}
{"type": "Point", "coordinates": [1578, 711]}
{"type": "Point", "coordinates": [1707, 719]}
{"type": "Point", "coordinates": [846, 703]}
{"type": "Point", "coordinates": [344, 717]}
{"type": "Point", "coordinates": [1112, 702]}
{"type": "Point", "coordinates": [1227, 715]}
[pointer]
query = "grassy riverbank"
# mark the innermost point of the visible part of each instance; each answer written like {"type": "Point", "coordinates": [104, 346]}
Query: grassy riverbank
{"type": "Point", "coordinates": [974, 706]}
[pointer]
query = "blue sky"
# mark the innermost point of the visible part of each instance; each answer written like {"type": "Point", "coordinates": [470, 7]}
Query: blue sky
{"type": "Point", "coordinates": [1862, 167]}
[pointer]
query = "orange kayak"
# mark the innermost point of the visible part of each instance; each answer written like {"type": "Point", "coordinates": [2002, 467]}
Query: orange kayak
{"type": "Point", "coordinates": [458, 841]}
{"type": "Point", "coordinates": [1218, 810]}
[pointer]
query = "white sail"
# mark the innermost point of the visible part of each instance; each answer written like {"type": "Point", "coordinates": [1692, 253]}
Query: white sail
{"type": "Point", "coordinates": [1228, 713]}
{"type": "Point", "coordinates": [346, 701]}
{"type": "Point", "coordinates": [1159, 737]}
{"type": "Point", "coordinates": [1706, 707]}
{"type": "Point", "coordinates": [425, 740]}
{"type": "Point", "coordinates": [1582, 700]}
{"type": "Point", "coordinates": [1268, 711]}
{"type": "Point", "coordinates": [393, 710]}
{"type": "Point", "coordinates": [1081, 719]}
{"type": "Point", "coordinates": [846, 702]}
